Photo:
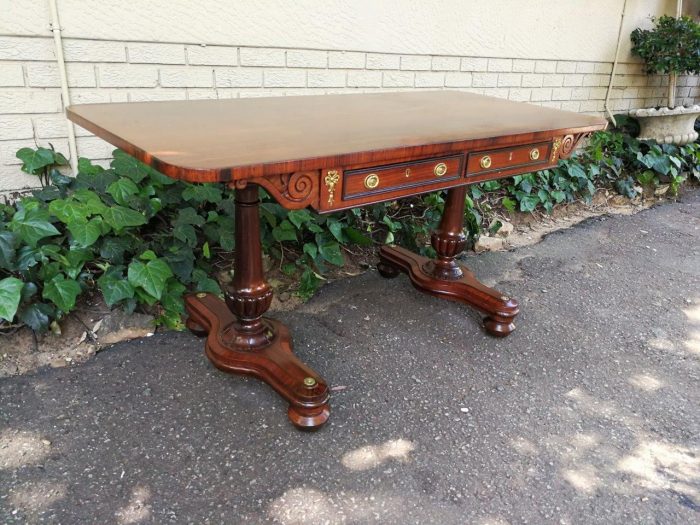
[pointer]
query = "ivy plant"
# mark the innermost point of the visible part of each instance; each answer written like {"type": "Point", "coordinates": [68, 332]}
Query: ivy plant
{"type": "Point", "coordinates": [141, 239]}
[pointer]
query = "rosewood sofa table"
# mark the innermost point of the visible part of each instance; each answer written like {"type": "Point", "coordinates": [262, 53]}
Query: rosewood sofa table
{"type": "Point", "coordinates": [333, 152]}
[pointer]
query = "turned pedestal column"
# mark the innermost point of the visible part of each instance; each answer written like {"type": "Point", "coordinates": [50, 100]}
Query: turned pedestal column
{"type": "Point", "coordinates": [444, 277]}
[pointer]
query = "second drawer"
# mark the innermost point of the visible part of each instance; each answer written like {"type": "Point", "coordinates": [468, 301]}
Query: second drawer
{"type": "Point", "coordinates": [383, 179]}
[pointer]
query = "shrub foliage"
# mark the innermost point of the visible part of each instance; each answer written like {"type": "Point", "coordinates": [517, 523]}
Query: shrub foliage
{"type": "Point", "coordinates": [141, 239]}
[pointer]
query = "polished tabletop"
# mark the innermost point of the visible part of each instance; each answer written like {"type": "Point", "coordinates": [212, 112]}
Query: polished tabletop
{"type": "Point", "coordinates": [201, 139]}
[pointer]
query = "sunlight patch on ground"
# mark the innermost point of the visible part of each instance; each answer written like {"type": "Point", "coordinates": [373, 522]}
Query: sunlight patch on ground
{"type": "Point", "coordinates": [21, 448]}
{"type": "Point", "coordinates": [374, 455]}
{"type": "Point", "coordinates": [645, 382]}
{"type": "Point", "coordinates": [692, 344]}
{"type": "Point", "coordinates": [302, 506]}
{"type": "Point", "coordinates": [137, 510]}
{"type": "Point", "coordinates": [663, 466]}
{"type": "Point", "coordinates": [524, 446]}
{"type": "Point", "coordinates": [661, 343]}
{"type": "Point", "coordinates": [591, 403]}
{"type": "Point", "coordinates": [582, 478]}
{"type": "Point", "coordinates": [33, 498]}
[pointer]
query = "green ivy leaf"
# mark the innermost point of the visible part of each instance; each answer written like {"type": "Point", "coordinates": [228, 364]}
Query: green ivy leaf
{"type": "Point", "coordinates": [86, 233]}
{"type": "Point", "coordinates": [172, 299]}
{"type": "Point", "coordinates": [8, 245]}
{"type": "Point", "coordinates": [150, 277]}
{"type": "Point", "coordinates": [33, 226]}
{"type": "Point", "coordinates": [114, 290]}
{"type": "Point", "coordinates": [299, 217]}
{"type": "Point", "coordinates": [186, 233]}
{"type": "Point", "coordinates": [203, 283]}
{"type": "Point", "coordinates": [508, 203]}
{"type": "Point", "coordinates": [10, 295]}
{"type": "Point", "coordinates": [357, 237]}
{"type": "Point", "coordinates": [34, 160]}
{"type": "Point", "coordinates": [87, 167]}
{"type": "Point", "coordinates": [528, 203]}
{"type": "Point", "coordinates": [62, 292]}
{"type": "Point", "coordinates": [122, 189]}
{"type": "Point", "coordinates": [113, 248]}
{"type": "Point", "coordinates": [308, 284]}
{"type": "Point", "coordinates": [91, 200]}
{"type": "Point", "coordinates": [36, 316]}
{"type": "Point", "coordinates": [188, 216]}
{"type": "Point", "coordinates": [284, 232]}
{"type": "Point", "coordinates": [311, 250]}
{"type": "Point", "coordinates": [125, 165]}
{"type": "Point", "coordinates": [58, 179]}
{"type": "Point", "coordinates": [336, 228]}
{"type": "Point", "coordinates": [330, 251]}
{"type": "Point", "coordinates": [119, 217]}
{"type": "Point", "coordinates": [200, 193]}
{"type": "Point", "coordinates": [68, 211]}
{"type": "Point", "coordinates": [29, 290]}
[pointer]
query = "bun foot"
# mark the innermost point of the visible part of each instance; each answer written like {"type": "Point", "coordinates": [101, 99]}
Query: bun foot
{"type": "Point", "coordinates": [386, 270]}
{"type": "Point", "coordinates": [308, 418]}
{"type": "Point", "coordinates": [196, 329]}
{"type": "Point", "coordinates": [499, 326]}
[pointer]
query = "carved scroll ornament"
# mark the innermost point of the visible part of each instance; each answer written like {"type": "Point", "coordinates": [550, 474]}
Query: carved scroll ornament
{"type": "Point", "coordinates": [293, 190]}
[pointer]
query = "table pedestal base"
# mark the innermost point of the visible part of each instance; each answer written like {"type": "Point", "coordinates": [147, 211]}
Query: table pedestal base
{"type": "Point", "coordinates": [443, 277]}
{"type": "Point", "coordinates": [274, 363]}
{"type": "Point", "coordinates": [499, 309]}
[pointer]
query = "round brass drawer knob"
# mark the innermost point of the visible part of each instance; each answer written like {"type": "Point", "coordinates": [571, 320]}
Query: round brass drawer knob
{"type": "Point", "coordinates": [371, 181]}
{"type": "Point", "coordinates": [440, 169]}
{"type": "Point", "coordinates": [534, 154]}
{"type": "Point", "coordinates": [485, 162]}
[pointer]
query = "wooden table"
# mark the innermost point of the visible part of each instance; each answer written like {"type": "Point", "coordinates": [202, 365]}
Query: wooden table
{"type": "Point", "coordinates": [331, 153]}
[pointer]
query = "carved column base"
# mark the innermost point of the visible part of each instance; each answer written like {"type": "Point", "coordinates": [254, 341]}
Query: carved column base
{"type": "Point", "coordinates": [274, 363]}
{"type": "Point", "coordinates": [499, 309]}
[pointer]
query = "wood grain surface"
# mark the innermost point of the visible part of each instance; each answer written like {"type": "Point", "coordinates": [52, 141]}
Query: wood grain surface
{"type": "Point", "coordinates": [226, 140]}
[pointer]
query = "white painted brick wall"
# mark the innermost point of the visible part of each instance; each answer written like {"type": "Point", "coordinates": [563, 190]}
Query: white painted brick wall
{"type": "Point", "coordinates": [113, 71]}
{"type": "Point", "coordinates": [25, 49]}
{"type": "Point", "coordinates": [11, 75]}
{"type": "Point", "coordinates": [252, 56]}
{"type": "Point", "coordinates": [416, 62]}
{"type": "Point", "coordinates": [212, 55]}
{"type": "Point", "coordinates": [346, 59]}
{"type": "Point", "coordinates": [193, 76]}
{"type": "Point", "coordinates": [147, 53]}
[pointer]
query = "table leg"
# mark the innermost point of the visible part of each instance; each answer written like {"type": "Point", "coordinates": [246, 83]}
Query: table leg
{"type": "Point", "coordinates": [443, 277]}
{"type": "Point", "coordinates": [240, 340]}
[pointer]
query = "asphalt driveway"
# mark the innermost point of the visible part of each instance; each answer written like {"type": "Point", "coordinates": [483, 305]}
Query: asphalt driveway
{"type": "Point", "coordinates": [588, 413]}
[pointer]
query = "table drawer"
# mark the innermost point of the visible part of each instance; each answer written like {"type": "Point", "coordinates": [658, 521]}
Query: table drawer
{"type": "Point", "coordinates": [375, 180]}
{"type": "Point", "coordinates": [507, 159]}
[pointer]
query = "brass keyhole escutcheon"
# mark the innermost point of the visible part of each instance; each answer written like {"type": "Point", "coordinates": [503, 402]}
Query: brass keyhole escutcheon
{"type": "Point", "coordinates": [408, 172]}
{"type": "Point", "coordinates": [371, 181]}
{"type": "Point", "coordinates": [485, 162]}
{"type": "Point", "coordinates": [440, 169]}
{"type": "Point", "coordinates": [534, 154]}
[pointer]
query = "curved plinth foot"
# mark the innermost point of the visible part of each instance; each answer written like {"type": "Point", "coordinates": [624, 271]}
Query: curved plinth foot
{"type": "Point", "coordinates": [499, 326]}
{"type": "Point", "coordinates": [274, 363]}
{"type": "Point", "coordinates": [388, 271]}
{"type": "Point", "coordinates": [500, 310]}
{"type": "Point", "coordinates": [195, 328]}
